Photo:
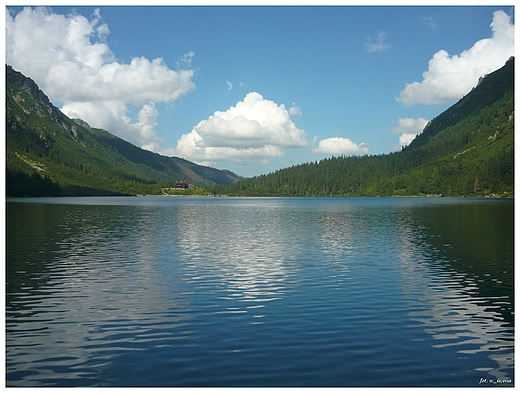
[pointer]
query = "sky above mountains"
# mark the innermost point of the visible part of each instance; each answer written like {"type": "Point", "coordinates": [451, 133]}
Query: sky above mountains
{"type": "Point", "coordinates": [254, 89]}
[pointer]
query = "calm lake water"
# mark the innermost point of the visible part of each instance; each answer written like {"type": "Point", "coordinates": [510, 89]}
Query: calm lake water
{"type": "Point", "coordinates": [166, 291]}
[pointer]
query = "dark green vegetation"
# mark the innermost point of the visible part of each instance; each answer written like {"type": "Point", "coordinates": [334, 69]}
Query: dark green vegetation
{"type": "Point", "coordinates": [468, 150]}
{"type": "Point", "coordinates": [49, 154]}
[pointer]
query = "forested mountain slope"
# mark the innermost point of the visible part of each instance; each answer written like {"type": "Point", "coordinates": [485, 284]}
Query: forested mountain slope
{"type": "Point", "coordinates": [468, 150]}
{"type": "Point", "coordinates": [49, 154]}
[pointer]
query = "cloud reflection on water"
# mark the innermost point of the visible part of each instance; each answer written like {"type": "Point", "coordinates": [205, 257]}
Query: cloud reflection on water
{"type": "Point", "coordinates": [239, 251]}
{"type": "Point", "coordinates": [186, 281]}
{"type": "Point", "coordinates": [448, 303]}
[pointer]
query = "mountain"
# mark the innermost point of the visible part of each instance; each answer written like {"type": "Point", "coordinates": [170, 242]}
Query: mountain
{"type": "Point", "coordinates": [490, 89]}
{"type": "Point", "coordinates": [468, 150]}
{"type": "Point", "coordinates": [48, 153]}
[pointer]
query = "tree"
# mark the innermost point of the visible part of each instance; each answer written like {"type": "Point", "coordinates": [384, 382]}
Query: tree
{"type": "Point", "coordinates": [476, 186]}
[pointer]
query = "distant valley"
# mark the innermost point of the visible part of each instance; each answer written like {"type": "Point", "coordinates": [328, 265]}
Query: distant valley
{"type": "Point", "coordinates": [468, 150]}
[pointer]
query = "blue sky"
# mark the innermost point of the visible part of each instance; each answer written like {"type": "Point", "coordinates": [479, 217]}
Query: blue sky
{"type": "Point", "coordinates": [254, 89]}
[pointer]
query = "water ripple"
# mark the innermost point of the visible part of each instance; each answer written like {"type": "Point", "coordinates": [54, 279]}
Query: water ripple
{"type": "Point", "coordinates": [256, 292]}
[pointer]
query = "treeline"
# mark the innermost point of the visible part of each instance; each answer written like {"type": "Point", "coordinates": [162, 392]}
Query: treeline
{"type": "Point", "coordinates": [466, 150]}
{"type": "Point", "coordinates": [22, 184]}
{"type": "Point", "coordinates": [473, 157]}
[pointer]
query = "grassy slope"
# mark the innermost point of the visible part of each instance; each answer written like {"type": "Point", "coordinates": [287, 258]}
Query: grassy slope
{"type": "Point", "coordinates": [43, 143]}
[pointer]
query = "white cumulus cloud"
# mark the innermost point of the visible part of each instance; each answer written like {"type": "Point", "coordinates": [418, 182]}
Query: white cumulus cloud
{"type": "Point", "coordinates": [255, 129]}
{"type": "Point", "coordinates": [450, 77]}
{"type": "Point", "coordinates": [68, 57]}
{"type": "Point", "coordinates": [340, 146]}
{"type": "Point", "coordinates": [408, 128]}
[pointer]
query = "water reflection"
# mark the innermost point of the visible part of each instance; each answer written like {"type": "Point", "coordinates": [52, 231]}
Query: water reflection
{"type": "Point", "coordinates": [192, 292]}
{"type": "Point", "coordinates": [241, 253]}
{"type": "Point", "coordinates": [463, 301]}
{"type": "Point", "coordinates": [337, 234]}
{"type": "Point", "coordinates": [82, 289]}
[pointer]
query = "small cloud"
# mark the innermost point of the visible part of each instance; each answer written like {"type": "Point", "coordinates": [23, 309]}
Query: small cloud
{"type": "Point", "coordinates": [379, 45]}
{"type": "Point", "coordinates": [340, 146]}
{"type": "Point", "coordinates": [405, 139]}
{"type": "Point", "coordinates": [295, 110]}
{"type": "Point", "coordinates": [186, 60]}
{"type": "Point", "coordinates": [448, 78]}
{"type": "Point", "coordinates": [229, 85]}
{"type": "Point", "coordinates": [409, 125]}
{"type": "Point", "coordinates": [101, 28]}
{"type": "Point", "coordinates": [409, 128]}
{"type": "Point", "coordinates": [429, 22]}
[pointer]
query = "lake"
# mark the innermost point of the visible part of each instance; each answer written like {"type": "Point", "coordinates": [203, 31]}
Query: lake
{"type": "Point", "coordinates": [272, 292]}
